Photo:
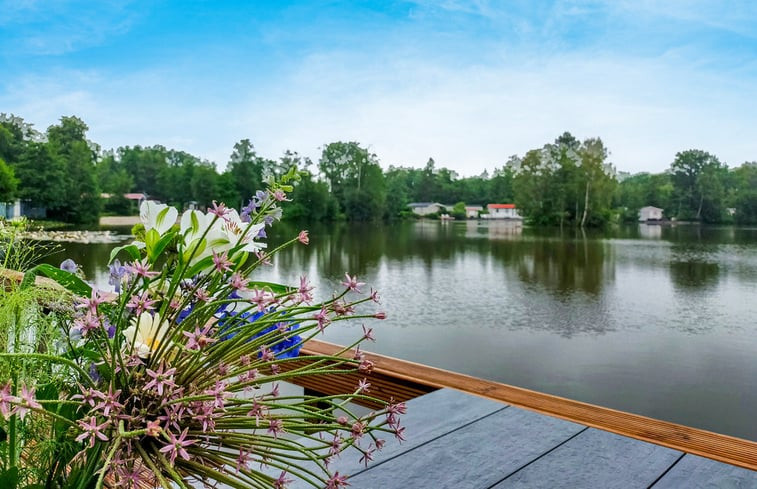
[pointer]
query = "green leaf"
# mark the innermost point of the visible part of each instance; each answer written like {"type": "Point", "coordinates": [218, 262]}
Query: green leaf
{"type": "Point", "coordinates": [151, 237]}
{"type": "Point", "coordinates": [275, 288]}
{"type": "Point", "coordinates": [199, 266]}
{"type": "Point", "coordinates": [9, 478]}
{"type": "Point", "coordinates": [161, 216]}
{"type": "Point", "coordinates": [199, 244]}
{"type": "Point", "coordinates": [195, 222]}
{"type": "Point", "coordinates": [67, 279]}
{"type": "Point", "coordinates": [158, 248]}
{"type": "Point", "coordinates": [131, 249]}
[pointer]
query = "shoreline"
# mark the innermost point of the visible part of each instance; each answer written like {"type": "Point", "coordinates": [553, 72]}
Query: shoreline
{"type": "Point", "coordinates": [119, 220]}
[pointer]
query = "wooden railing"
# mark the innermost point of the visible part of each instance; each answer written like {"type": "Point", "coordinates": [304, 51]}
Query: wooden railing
{"type": "Point", "coordinates": [403, 380]}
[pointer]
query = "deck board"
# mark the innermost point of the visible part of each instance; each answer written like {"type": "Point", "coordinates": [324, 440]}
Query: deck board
{"type": "Point", "coordinates": [716, 446]}
{"type": "Point", "coordinates": [456, 440]}
{"type": "Point", "coordinates": [430, 416]}
{"type": "Point", "coordinates": [694, 472]}
{"type": "Point", "coordinates": [596, 458]}
{"type": "Point", "coordinates": [474, 456]}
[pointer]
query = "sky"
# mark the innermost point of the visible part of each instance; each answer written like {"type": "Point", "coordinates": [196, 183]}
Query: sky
{"type": "Point", "coordinates": [468, 83]}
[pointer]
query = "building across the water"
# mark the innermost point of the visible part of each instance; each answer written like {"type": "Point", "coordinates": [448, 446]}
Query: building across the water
{"type": "Point", "coordinates": [650, 213]}
{"type": "Point", "coordinates": [502, 211]}
{"type": "Point", "coordinates": [472, 211]}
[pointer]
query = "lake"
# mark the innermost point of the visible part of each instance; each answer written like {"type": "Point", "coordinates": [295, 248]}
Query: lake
{"type": "Point", "coordinates": [658, 321]}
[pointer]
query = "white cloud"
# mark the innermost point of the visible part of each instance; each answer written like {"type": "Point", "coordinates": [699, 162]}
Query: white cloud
{"type": "Point", "coordinates": [408, 109]}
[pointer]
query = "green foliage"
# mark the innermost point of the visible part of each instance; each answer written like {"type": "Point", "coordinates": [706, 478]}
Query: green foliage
{"type": "Point", "coordinates": [563, 182]}
{"type": "Point", "coordinates": [8, 182]}
{"type": "Point", "coordinates": [643, 190]}
{"type": "Point", "coordinates": [699, 192]}
{"type": "Point", "coordinates": [566, 182]}
{"type": "Point", "coordinates": [458, 211]}
{"type": "Point", "coordinates": [355, 179]}
{"type": "Point", "coordinates": [745, 193]}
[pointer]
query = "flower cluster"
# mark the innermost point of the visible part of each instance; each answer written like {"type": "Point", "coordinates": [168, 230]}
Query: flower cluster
{"type": "Point", "coordinates": [175, 375]}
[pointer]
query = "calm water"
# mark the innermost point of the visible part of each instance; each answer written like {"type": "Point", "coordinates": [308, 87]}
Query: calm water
{"type": "Point", "coordinates": [658, 321]}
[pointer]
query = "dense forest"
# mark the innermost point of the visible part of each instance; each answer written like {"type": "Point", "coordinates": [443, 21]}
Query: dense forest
{"type": "Point", "coordinates": [565, 182]}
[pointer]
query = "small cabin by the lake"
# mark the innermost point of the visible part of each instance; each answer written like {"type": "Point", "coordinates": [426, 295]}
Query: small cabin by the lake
{"type": "Point", "coordinates": [502, 211]}
{"type": "Point", "coordinates": [471, 211]}
{"type": "Point", "coordinates": [650, 213]}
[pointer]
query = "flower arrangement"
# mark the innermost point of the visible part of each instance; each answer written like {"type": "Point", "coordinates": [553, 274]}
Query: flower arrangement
{"type": "Point", "coordinates": [173, 378]}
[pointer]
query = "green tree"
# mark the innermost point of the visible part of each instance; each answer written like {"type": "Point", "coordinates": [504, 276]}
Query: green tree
{"type": "Point", "coordinates": [246, 170]}
{"type": "Point", "coordinates": [698, 188]}
{"type": "Point", "coordinates": [598, 181]}
{"type": "Point", "coordinates": [311, 200]}
{"type": "Point", "coordinates": [355, 180]}
{"type": "Point", "coordinates": [81, 196]}
{"type": "Point", "coordinates": [8, 182]}
{"type": "Point", "coordinates": [745, 193]}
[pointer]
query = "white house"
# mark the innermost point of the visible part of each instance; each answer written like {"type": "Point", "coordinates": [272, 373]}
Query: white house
{"type": "Point", "coordinates": [424, 208]}
{"type": "Point", "coordinates": [650, 213]}
{"type": "Point", "coordinates": [502, 211]}
{"type": "Point", "coordinates": [471, 211]}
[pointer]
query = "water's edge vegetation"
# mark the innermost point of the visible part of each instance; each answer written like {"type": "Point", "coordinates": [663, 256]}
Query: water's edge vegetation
{"type": "Point", "coordinates": [565, 182]}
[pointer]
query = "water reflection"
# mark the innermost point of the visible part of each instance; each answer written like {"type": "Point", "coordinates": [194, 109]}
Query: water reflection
{"type": "Point", "coordinates": [666, 312]}
{"type": "Point", "coordinates": [694, 275]}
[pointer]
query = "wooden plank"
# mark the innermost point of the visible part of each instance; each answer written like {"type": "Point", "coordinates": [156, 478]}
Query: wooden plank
{"type": "Point", "coordinates": [383, 386]}
{"type": "Point", "coordinates": [694, 472]}
{"type": "Point", "coordinates": [596, 458]}
{"type": "Point", "coordinates": [428, 417]}
{"type": "Point", "coordinates": [719, 447]}
{"type": "Point", "coordinates": [475, 456]}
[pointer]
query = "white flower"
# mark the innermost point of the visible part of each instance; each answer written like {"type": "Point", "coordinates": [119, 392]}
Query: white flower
{"type": "Point", "coordinates": [222, 234]}
{"type": "Point", "coordinates": [145, 334]}
{"type": "Point", "coordinates": [193, 226]}
{"type": "Point", "coordinates": [237, 232]}
{"type": "Point", "coordinates": [157, 216]}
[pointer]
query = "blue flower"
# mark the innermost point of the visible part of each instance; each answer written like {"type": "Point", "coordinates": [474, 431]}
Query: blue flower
{"type": "Point", "coordinates": [281, 349]}
{"type": "Point", "coordinates": [116, 273]}
{"type": "Point", "coordinates": [69, 265]}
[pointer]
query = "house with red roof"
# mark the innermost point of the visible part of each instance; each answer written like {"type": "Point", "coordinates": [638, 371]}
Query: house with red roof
{"type": "Point", "coordinates": [502, 211]}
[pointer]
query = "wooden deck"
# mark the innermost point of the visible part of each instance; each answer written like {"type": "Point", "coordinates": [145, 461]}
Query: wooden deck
{"type": "Point", "coordinates": [457, 440]}
{"type": "Point", "coordinates": [403, 380]}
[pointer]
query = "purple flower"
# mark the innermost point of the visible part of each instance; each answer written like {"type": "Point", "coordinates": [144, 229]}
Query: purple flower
{"type": "Point", "coordinates": [337, 481]}
{"type": "Point", "coordinates": [27, 401]}
{"type": "Point", "coordinates": [352, 283]}
{"type": "Point", "coordinates": [6, 399]}
{"type": "Point", "coordinates": [92, 431]}
{"type": "Point", "coordinates": [275, 426]}
{"type": "Point", "coordinates": [160, 378]}
{"type": "Point", "coordinates": [222, 262]}
{"type": "Point", "coordinates": [176, 446]}
{"type": "Point", "coordinates": [110, 401]}
{"type": "Point", "coordinates": [141, 269]}
{"type": "Point", "coordinates": [116, 273]}
{"type": "Point", "coordinates": [282, 481]}
{"type": "Point", "coordinates": [246, 211]}
{"type": "Point", "coordinates": [93, 373]}
{"type": "Point", "coordinates": [219, 210]}
{"type": "Point", "coordinates": [69, 265]}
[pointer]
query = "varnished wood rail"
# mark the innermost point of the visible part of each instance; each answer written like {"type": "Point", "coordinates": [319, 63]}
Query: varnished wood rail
{"type": "Point", "coordinates": [415, 376]}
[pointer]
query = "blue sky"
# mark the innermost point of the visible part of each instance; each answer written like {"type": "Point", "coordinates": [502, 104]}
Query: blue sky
{"type": "Point", "coordinates": [466, 82]}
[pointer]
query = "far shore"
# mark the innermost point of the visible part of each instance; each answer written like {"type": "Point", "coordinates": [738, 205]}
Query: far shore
{"type": "Point", "coordinates": [119, 220]}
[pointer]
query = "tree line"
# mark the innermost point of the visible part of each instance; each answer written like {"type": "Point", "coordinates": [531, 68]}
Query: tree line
{"type": "Point", "coordinates": [565, 182]}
